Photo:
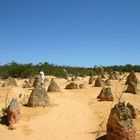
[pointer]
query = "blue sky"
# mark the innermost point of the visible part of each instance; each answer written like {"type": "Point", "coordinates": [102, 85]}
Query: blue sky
{"type": "Point", "coordinates": [70, 32]}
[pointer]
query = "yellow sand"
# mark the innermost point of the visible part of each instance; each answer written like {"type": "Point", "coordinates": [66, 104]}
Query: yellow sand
{"type": "Point", "coordinates": [72, 115]}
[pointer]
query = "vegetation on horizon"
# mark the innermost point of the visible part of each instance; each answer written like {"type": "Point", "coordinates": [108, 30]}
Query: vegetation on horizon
{"type": "Point", "coordinates": [17, 70]}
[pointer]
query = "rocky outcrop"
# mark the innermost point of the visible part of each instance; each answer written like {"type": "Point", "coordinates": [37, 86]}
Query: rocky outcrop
{"type": "Point", "coordinates": [107, 82]}
{"type": "Point", "coordinates": [36, 81]}
{"type": "Point", "coordinates": [10, 82]}
{"type": "Point", "coordinates": [31, 80]}
{"type": "Point", "coordinates": [26, 84]}
{"type": "Point", "coordinates": [53, 87]}
{"type": "Point", "coordinates": [13, 112]}
{"type": "Point", "coordinates": [132, 78]}
{"type": "Point", "coordinates": [113, 76]}
{"type": "Point", "coordinates": [72, 85]}
{"type": "Point", "coordinates": [38, 97]}
{"type": "Point", "coordinates": [81, 86]}
{"type": "Point", "coordinates": [106, 95]}
{"type": "Point", "coordinates": [91, 80]}
{"type": "Point", "coordinates": [132, 88]}
{"type": "Point", "coordinates": [133, 110]}
{"type": "Point", "coordinates": [120, 125]}
{"type": "Point", "coordinates": [99, 82]}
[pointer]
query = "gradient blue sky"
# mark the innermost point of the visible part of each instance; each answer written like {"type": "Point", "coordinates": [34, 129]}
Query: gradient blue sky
{"type": "Point", "coordinates": [70, 32]}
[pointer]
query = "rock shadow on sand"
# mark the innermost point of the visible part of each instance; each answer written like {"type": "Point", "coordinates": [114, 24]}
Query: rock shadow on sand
{"type": "Point", "coordinates": [3, 120]}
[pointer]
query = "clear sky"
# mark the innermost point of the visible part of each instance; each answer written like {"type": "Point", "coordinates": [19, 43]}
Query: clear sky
{"type": "Point", "coordinates": [70, 32]}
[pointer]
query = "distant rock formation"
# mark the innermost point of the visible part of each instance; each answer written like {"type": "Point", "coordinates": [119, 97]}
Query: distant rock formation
{"type": "Point", "coordinates": [107, 82]}
{"type": "Point", "coordinates": [132, 88]}
{"type": "Point", "coordinates": [10, 82]}
{"type": "Point", "coordinates": [36, 81]}
{"type": "Point", "coordinates": [26, 84]}
{"type": "Point", "coordinates": [106, 95]}
{"type": "Point", "coordinates": [113, 76]}
{"type": "Point", "coordinates": [91, 80]}
{"type": "Point", "coordinates": [81, 86]}
{"type": "Point", "coordinates": [72, 85]}
{"type": "Point", "coordinates": [99, 82]}
{"type": "Point", "coordinates": [132, 78]}
{"type": "Point", "coordinates": [31, 80]}
{"type": "Point", "coordinates": [102, 76]}
{"type": "Point", "coordinates": [53, 87]}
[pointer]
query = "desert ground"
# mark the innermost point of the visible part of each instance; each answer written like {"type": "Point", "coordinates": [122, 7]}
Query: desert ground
{"type": "Point", "coordinates": [72, 115]}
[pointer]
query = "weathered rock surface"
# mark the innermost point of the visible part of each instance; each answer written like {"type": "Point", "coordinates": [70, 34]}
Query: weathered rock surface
{"type": "Point", "coordinates": [120, 125]}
